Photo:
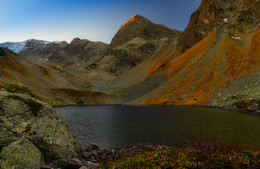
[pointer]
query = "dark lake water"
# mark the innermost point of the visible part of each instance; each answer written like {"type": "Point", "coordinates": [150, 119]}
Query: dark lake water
{"type": "Point", "coordinates": [115, 126]}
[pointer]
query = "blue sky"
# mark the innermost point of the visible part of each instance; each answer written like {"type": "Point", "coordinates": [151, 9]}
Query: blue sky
{"type": "Point", "coordinates": [96, 20]}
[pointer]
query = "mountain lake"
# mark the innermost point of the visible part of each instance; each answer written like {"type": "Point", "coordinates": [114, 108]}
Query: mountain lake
{"type": "Point", "coordinates": [117, 126]}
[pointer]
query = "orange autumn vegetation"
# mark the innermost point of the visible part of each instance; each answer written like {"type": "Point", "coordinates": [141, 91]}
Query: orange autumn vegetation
{"type": "Point", "coordinates": [208, 67]}
{"type": "Point", "coordinates": [242, 60]}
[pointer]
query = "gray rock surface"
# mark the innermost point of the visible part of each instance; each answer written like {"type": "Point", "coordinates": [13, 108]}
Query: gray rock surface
{"type": "Point", "coordinates": [31, 126]}
{"type": "Point", "coordinates": [20, 154]}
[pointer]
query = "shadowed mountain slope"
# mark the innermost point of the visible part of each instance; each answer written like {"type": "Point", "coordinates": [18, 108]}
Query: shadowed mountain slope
{"type": "Point", "coordinates": [135, 41]}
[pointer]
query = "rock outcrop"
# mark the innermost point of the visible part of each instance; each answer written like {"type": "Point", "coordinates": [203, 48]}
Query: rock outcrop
{"type": "Point", "coordinates": [32, 133]}
{"type": "Point", "coordinates": [241, 16]}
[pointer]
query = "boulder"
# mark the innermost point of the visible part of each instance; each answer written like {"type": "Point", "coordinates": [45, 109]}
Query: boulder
{"type": "Point", "coordinates": [24, 117]}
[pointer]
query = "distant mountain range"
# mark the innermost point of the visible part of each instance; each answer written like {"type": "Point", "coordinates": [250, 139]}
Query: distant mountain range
{"type": "Point", "coordinates": [215, 61]}
{"type": "Point", "coordinates": [78, 54]}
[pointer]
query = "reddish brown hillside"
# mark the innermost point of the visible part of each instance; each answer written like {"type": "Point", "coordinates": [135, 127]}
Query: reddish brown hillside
{"type": "Point", "coordinates": [9, 64]}
{"type": "Point", "coordinates": [201, 72]}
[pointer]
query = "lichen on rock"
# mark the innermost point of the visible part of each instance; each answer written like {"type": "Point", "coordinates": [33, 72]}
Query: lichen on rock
{"type": "Point", "coordinates": [20, 154]}
{"type": "Point", "coordinates": [37, 125]}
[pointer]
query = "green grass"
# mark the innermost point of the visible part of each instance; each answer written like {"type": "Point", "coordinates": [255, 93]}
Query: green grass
{"type": "Point", "coordinates": [190, 158]}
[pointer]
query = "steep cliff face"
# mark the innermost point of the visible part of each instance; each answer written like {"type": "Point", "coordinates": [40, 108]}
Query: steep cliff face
{"type": "Point", "coordinates": [135, 41]}
{"type": "Point", "coordinates": [242, 16]}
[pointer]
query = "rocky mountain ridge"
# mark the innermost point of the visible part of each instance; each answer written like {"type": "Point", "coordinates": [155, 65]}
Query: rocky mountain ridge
{"type": "Point", "coordinates": [135, 41]}
{"type": "Point", "coordinates": [77, 54]}
{"type": "Point", "coordinates": [148, 63]}
{"type": "Point", "coordinates": [242, 16]}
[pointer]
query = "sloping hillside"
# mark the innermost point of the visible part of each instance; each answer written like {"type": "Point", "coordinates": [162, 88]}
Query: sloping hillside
{"type": "Point", "coordinates": [53, 85]}
{"type": "Point", "coordinates": [221, 67]}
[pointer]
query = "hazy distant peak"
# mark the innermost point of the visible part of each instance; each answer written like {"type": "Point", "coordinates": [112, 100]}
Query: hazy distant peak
{"type": "Point", "coordinates": [13, 46]}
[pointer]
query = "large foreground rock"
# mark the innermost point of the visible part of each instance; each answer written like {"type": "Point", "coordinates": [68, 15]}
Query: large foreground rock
{"type": "Point", "coordinates": [42, 131]}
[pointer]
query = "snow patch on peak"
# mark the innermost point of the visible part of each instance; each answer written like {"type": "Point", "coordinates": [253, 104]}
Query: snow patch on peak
{"type": "Point", "coordinates": [13, 46]}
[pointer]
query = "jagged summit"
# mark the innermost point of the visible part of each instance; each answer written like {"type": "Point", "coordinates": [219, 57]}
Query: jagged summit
{"type": "Point", "coordinates": [138, 26]}
{"type": "Point", "coordinates": [136, 18]}
{"type": "Point", "coordinates": [135, 41]}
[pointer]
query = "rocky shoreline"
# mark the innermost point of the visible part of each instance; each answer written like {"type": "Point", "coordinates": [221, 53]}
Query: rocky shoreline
{"type": "Point", "coordinates": [91, 157]}
{"type": "Point", "coordinates": [247, 111]}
